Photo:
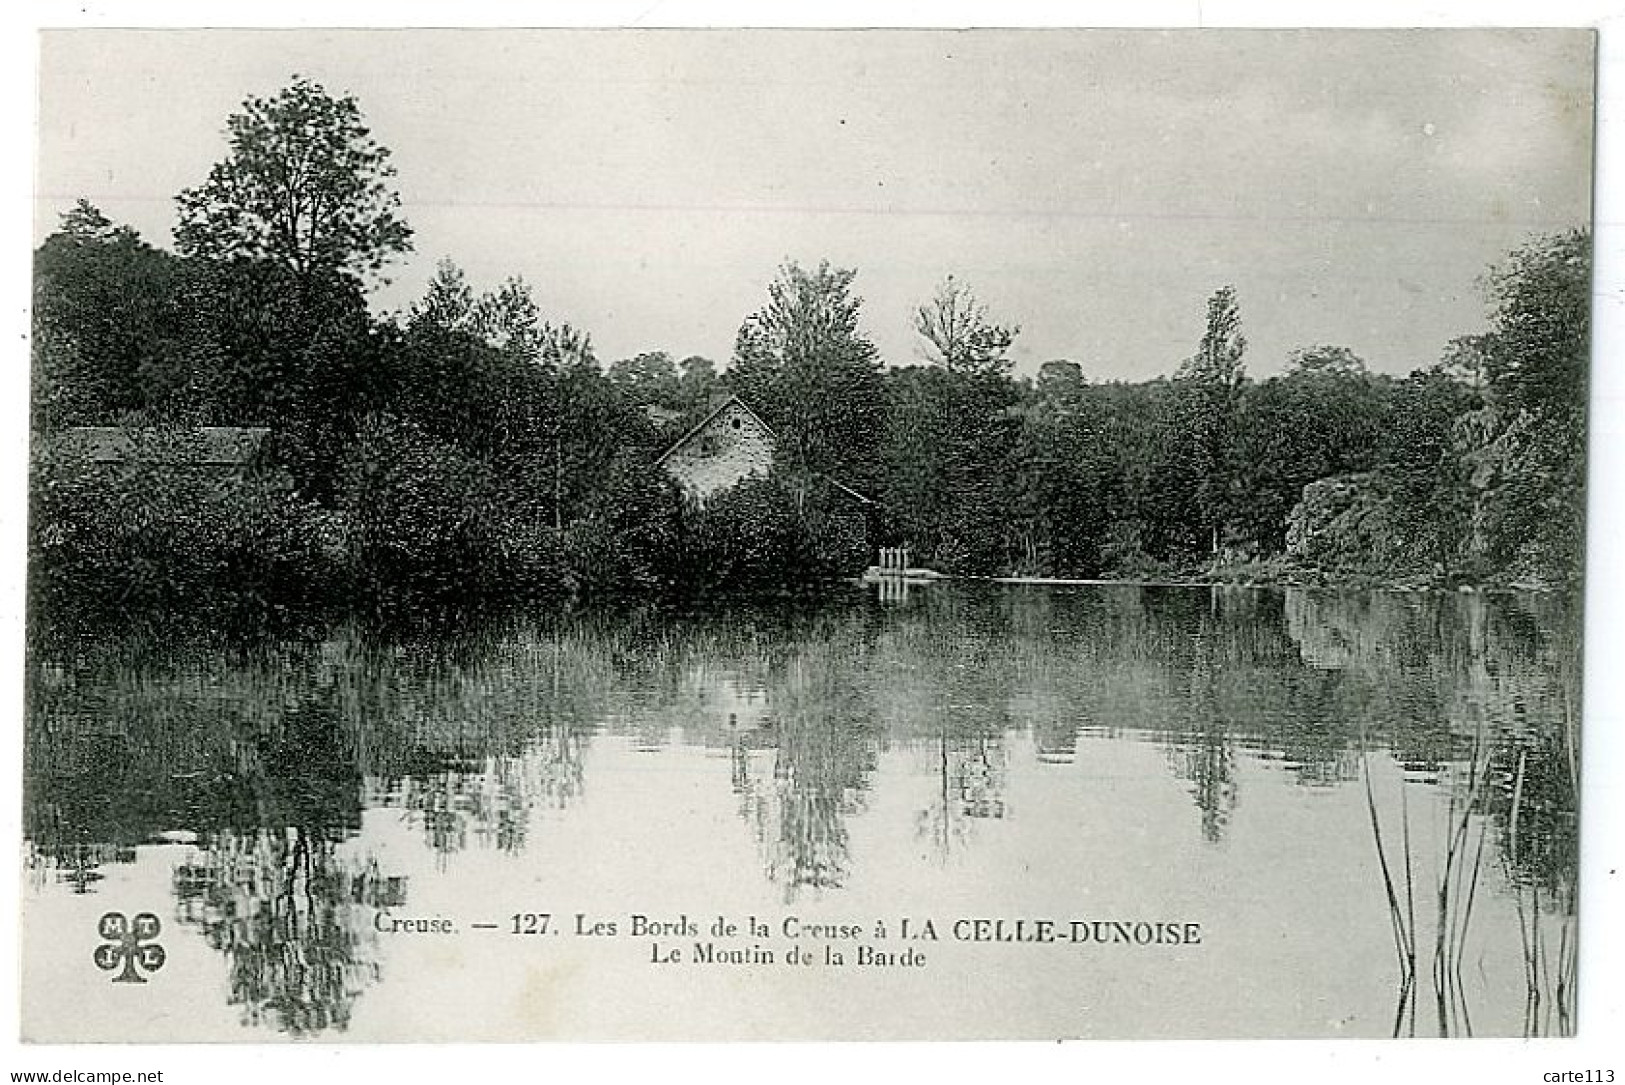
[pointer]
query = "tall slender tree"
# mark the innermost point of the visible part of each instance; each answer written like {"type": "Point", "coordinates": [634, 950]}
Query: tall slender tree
{"type": "Point", "coordinates": [1207, 394]}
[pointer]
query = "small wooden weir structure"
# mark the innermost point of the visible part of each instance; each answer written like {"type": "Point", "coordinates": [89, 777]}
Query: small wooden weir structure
{"type": "Point", "coordinates": [894, 575]}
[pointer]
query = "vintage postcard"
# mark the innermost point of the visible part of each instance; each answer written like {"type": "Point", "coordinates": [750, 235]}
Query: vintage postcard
{"type": "Point", "coordinates": [857, 535]}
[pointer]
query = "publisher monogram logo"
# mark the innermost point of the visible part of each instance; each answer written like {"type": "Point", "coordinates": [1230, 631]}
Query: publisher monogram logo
{"type": "Point", "coordinates": [129, 944]}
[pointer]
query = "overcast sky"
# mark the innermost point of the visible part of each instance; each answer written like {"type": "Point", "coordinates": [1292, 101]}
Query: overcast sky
{"type": "Point", "coordinates": [1093, 187]}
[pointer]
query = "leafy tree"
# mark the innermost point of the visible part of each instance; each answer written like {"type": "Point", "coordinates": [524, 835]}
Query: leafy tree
{"type": "Point", "coordinates": [804, 364]}
{"type": "Point", "coordinates": [262, 346]}
{"type": "Point", "coordinates": [1529, 442]}
{"type": "Point", "coordinates": [305, 185]}
{"type": "Point", "coordinates": [919, 432]}
{"type": "Point", "coordinates": [1218, 357]}
{"type": "Point", "coordinates": [953, 432]}
{"type": "Point", "coordinates": [448, 304]}
{"type": "Point", "coordinates": [1325, 416]}
{"type": "Point", "coordinates": [506, 319]}
{"type": "Point", "coordinates": [648, 378]}
{"type": "Point", "coordinates": [269, 348]}
{"type": "Point", "coordinates": [600, 431]}
{"type": "Point", "coordinates": [1069, 479]}
{"type": "Point", "coordinates": [1148, 521]}
{"type": "Point", "coordinates": [1059, 380]}
{"type": "Point", "coordinates": [1536, 356]}
{"type": "Point", "coordinates": [959, 335]}
{"type": "Point", "coordinates": [769, 532]}
{"type": "Point", "coordinates": [510, 321]}
{"type": "Point", "coordinates": [1328, 361]}
{"type": "Point", "coordinates": [143, 544]}
{"type": "Point", "coordinates": [1420, 457]}
{"type": "Point", "coordinates": [86, 223]}
{"type": "Point", "coordinates": [105, 323]}
{"type": "Point", "coordinates": [624, 534]}
{"type": "Point", "coordinates": [452, 385]}
{"type": "Point", "coordinates": [1466, 359]}
{"type": "Point", "coordinates": [424, 536]}
{"type": "Point", "coordinates": [699, 380]}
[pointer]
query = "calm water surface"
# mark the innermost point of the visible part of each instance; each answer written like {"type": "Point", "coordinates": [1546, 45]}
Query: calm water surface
{"type": "Point", "coordinates": [1367, 802]}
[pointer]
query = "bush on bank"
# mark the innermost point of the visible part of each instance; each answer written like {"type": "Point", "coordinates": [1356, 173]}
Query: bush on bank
{"type": "Point", "coordinates": [155, 541]}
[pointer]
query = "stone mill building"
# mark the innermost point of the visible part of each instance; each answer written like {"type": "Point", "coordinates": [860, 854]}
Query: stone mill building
{"type": "Point", "coordinates": [727, 446]}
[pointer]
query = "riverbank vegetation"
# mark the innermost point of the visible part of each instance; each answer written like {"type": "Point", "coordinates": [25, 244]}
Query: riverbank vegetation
{"type": "Point", "coordinates": [472, 453]}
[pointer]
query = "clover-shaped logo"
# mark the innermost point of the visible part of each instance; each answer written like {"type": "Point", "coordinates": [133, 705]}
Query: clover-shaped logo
{"type": "Point", "coordinates": [124, 946]}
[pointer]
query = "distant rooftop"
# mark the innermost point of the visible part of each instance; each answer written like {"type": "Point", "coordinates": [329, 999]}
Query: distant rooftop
{"type": "Point", "coordinates": [205, 446]}
{"type": "Point", "coordinates": [660, 416]}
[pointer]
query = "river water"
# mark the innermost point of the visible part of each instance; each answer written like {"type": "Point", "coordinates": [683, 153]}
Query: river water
{"type": "Point", "coordinates": [1242, 812]}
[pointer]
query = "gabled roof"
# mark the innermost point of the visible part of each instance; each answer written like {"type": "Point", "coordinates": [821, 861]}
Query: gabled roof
{"type": "Point", "coordinates": [722, 406]}
{"type": "Point", "coordinates": [207, 446]}
{"type": "Point", "coordinates": [706, 421]}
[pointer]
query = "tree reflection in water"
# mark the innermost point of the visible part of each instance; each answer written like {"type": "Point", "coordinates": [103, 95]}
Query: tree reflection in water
{"type": "Point", "coordinates": [76, 865]}
{"type": "Point", "coordinates": [251, 760]}
{"type": "Point", "coordinates": [971, 774]}
{"type": "Point", "coordinates": [804, 770]}
{"type": "Point", "coordinates": [490, 803]}
{"type": "Point", "coordinates": [270, 756]}
{"type": "Point", "coordinates": [294, 921]}
{"type": "Point", "coordinates": [270, 891]}
{"type": "Point", "coordinates": [1535, 801]}
{"type": "Point", "coordinates": [472, 744]}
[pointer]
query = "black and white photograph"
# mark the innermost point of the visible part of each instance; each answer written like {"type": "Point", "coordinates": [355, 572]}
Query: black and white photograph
{"type": "Point", "coordinates": [807, 534]}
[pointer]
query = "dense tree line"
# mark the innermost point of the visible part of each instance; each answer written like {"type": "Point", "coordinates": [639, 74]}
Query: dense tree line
{"type": "Point", "coordinates": [470, 452]}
